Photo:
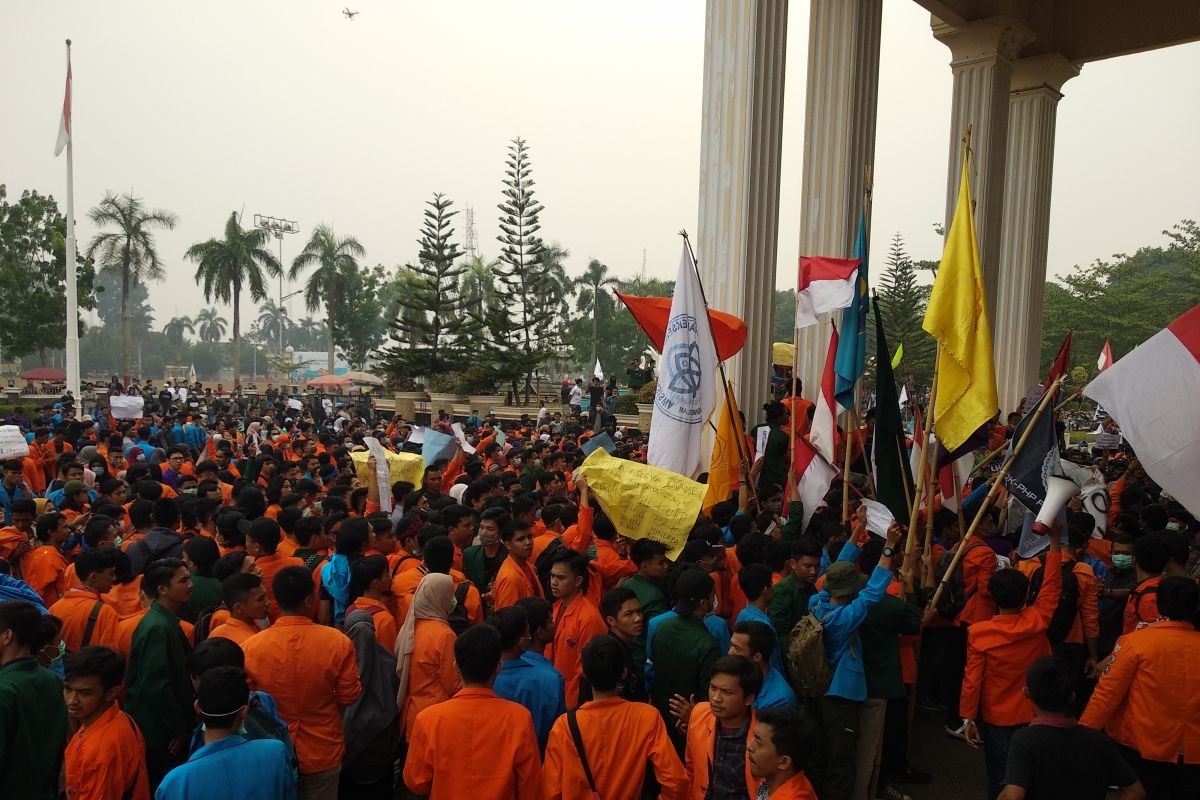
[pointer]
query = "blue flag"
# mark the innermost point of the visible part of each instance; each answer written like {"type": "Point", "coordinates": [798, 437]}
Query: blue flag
{"type": "Point", "coordinates": [852, 346]}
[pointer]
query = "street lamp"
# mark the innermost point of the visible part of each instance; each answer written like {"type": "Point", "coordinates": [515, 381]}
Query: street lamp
{"type": "Point", "coordinates": [278, 227]}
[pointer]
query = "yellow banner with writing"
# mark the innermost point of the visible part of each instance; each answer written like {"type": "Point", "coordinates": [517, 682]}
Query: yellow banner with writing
{"type": "Point", "coordinates": [403, 466]}
{"type": "Point", "coordinates": [644, 502]}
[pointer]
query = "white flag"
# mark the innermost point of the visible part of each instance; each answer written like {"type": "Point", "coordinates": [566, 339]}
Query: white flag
{"type": "Point", "coordinates": [64, 124]}
{"type": "Point", "coordinates": [687, 385]}
{"type": "Point", "coordinates": [599, 373]}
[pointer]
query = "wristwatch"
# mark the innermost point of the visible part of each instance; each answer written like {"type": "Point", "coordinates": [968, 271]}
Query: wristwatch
{"type": "Point", "coordinates": [888, 552]}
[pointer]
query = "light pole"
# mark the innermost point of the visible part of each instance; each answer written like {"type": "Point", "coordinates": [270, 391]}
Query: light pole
{"type": "Point", "coordinates": [278, 227]}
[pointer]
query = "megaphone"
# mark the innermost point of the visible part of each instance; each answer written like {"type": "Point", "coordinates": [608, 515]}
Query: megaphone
{"type": "Point", "coordinates": [1058, 492]}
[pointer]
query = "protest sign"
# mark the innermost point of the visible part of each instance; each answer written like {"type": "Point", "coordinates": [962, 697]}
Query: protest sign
{"type": "Point", "coordinates": [294, 404]}
{"type": "Point", "coordinates": [435, 445]}
{"type": "Point", "coordinates": [383, 472]}
{"type": "Point", "coordinates": [879, 517]}
{"type": "Point", "coordinates": [126, 406]}
{"type": "Point", "coordinates": [467, 447]}
{"type": "Point", "coordinates": [760, 442]}
{"type": "Point", "coordinates": [1108, 441]}
{"type": "Point", "coordinates": [12, 442]}
{"type": "Point", "coordinates": [401, 467]}
{"type": "Point", "coordinates": [644, 502]}
{"type": "Point", "coordinates": [602, 439]}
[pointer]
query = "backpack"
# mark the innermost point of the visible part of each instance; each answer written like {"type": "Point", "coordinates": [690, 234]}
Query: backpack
{"type": "Point", "coordinates": [1068, 600]}
{"type": "Point", "coordinates": [1137, 594]}
{"type": "Point", "coordinates": [543, 563]}
{"type": "Point", "coordinates": [954, 596]}
{"type": "Point", "coordinates": [204, 624]}
{"type": "Point", "coordinates": [400, 563]}
{"type": "Point", "coordinates": [458, 619]}
{"type": "Point", "coordinates": [811, 673]}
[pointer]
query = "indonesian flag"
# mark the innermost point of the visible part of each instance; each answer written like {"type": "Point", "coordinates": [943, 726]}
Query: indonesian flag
{"type": "Point", "coordinates": [64, 124]}
{"type": "Point", "coordinates": [823, 433]}
{"type": "Point", "coordinates": [1106, 360]}
{"type": "Point", "coordinates": [816, 476]}
{"type": "Point", "coordinates": [946, 480]}
{"type": "Point", "coordinates": [825, 284]}
{"type": "Point", "coordinates": [1150, 395]}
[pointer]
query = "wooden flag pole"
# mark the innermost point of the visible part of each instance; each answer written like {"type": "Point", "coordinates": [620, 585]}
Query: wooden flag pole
{"type": "Point", "coordinates": [911, 544]}
{"type": "Point", "coordinates": [903, 482]}
{"type": "Point", "coordinates": [991, 495]}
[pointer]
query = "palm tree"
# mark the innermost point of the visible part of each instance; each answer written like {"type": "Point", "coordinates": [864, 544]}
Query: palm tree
{"type": "Point", "coordinates": [589, 285]}
{"type": "Point", "coordinates": [176, 331]}
{"type": "Point", "coordinates": [273, 320]}
{"type": "Point", "coordinates": [211, 325]}
{"type": "Point", "coordinates": [129, 251]}
{"type": "Point", "coordinates": [336, 259]}
{"type": "Point", "coordinates": [228, 266]}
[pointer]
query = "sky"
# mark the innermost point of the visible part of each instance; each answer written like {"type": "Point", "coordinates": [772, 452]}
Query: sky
{"type": "Point", "coordinates": [286, 108]}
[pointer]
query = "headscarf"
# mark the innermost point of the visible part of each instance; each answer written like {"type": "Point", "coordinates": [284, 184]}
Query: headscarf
{"type": "Point", "coordinates": [433, 599]}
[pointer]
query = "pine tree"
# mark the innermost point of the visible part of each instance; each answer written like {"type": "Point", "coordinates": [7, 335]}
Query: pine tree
{"type": "Point", "coordinates": [430, 328]}
{"type": "Point", "coordinates": [902, 304]}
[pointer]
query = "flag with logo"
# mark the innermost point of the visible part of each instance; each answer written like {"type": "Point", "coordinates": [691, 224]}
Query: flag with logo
{"type": "Point", "coordinates": [1038, 459]}
{"type": "Point", "coordinates": [687, 385]}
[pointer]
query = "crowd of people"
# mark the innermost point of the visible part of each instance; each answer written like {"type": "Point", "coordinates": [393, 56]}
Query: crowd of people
{"type": "Point", "coordinates": [212, 602]}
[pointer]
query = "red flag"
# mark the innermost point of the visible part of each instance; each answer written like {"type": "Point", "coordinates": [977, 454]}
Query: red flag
{"type": "Point", "coordinates": [1062, 362]}
{"type": "Point", "coordinates": [64, 124]}
{"type": "Point", "coordinates": [1106, 357]}
{"type": "Point", "coordinates": [651, 314]}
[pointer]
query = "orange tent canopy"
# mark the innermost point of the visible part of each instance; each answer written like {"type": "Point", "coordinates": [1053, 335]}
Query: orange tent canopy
{"type": "Point", "coordinates": [651, 314]}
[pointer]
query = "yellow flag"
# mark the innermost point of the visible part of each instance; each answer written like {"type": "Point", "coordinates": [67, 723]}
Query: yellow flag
{"type": "Point", "coordinates": [899, 355]}
{"type": "Point", "coordinates": [403, 466]}
{"type": "Point", "coordinates": [644, 502]}
{"type": "Point", "coordinates": [957, 318]}
{"type": "Point", "coordinates": [723, 467]}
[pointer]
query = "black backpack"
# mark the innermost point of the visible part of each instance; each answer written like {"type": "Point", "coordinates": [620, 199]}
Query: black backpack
{"type": "Point", "coordinates": [1068, 600]}
{"type": "Point", "coordinates": [204, 624]}
{"type": "Point", "coordinates": [543, 563]}
{"type": "Point", "coordinates": [458, 618]}
{"type": "Point", "coordinates": [954, 596]}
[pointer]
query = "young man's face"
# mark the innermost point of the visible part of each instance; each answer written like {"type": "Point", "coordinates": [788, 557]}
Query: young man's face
{"type": "Point", "coordinates": [489, 530]}
{"type": "Point", "coordinates": [563, 582]}
{"type": "Point", "coordinates": [806, 569]}
{"type": "Point", "coordinates": [255, 604]}
{"type": "Point", "coordinates": [86, 696]}
{"type": "Point", "coordinates": [726, 698]}
{"type": "Point", "coordinates": [628, 623]}
{"type": "Point", "coordinates": [461, 532]}
{"type": "Point", "coordinates": [175, 461]}
{"type": "Point", "coordinates": [23, 521]}
{"type": "Point", "coordinates": [655, 568]}
{"type": "Point", "coordinates": [179, 590]}
{"type": "Point", "coordinates": [764, 758]}
{"type": "Point", "coordinates": [103, 580]}
{"type": "Point", "coordinates": [521, 544]}
{"type": "Point", "coordinates": [385, 542]}
{"type": "Point", "coordinates": [739, 645]}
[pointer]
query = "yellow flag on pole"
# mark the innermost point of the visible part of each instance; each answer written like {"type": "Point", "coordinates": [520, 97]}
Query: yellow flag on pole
{"type": "Point", "coordinates": [723, 467]}
{"type": "Point", "coordinates": [957, 318]}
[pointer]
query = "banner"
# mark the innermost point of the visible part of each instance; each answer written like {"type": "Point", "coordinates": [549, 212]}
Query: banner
{"type": "Point", "coordinates": [435, 445]}
{"type": "Point", "coordinates": [644, 502]}
{"type": "Point", "coordinates": [126, 406]}
{"type": "Point", "coordinates": [382, 472]}
{"type": "Point", "coordinates": [12, 442]}
{"type": "Point", "coordinates": [401, 467]}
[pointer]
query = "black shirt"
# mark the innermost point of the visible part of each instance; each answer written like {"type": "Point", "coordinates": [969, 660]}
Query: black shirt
{"type": "Point", "coordinates": [1051, 762]}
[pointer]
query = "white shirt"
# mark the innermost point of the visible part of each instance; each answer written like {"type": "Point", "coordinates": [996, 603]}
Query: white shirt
{"type": "Point", "coordinates": [576, 395]}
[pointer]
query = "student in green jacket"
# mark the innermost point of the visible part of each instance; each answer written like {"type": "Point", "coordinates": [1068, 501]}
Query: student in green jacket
{"type": "Point", "coordinates": [158, 693]}
{"type": "Point", "coordinates": [789, 599]}
{"type": "Point", "coordinates": [33, 716]}
{"type": "Point", "coordinates": [649, 583]}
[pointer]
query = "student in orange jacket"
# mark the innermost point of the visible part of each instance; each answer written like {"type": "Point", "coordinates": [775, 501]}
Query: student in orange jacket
{"type": "Point", "coordinates": [516, 579]}
{"type": "Point", "coordinates": [576, 619]}
{"type": "Point", "coordinates": [106, 758]}
{"type": "Point", "coordinates": [246, 599]}
{"type": "Point", "coordinates": [44, 567]}
{"type": "Point", "coordinates": [424, 650]}
{"type": "Point", "coordinates": [1150, 556]}
{"type": "Point", "coordinates": [262, 543]}
{"type": "Point", "coordinates": [611, 565]}
{"type": "Point", "coordinates": [435, 558]}
{"type": "Point", "coordinates": [312, 672]}
{"type": "Point", "coordinates": [782, 745]}
{"type": "Point", "coordinates": [618, 738]}
{"type": "Point", "coordinates": [370, 579]}
{"type": "Point", "coordinates": [86, 620]}
{"type": "Point", "coordinates": [999, 652]}
{"type": "Point", "coordinates": [474, 745]}
{"type": "Point", "coordinates": [730, 711]}
{"type": "Point", "coordinates": [1147, 699]}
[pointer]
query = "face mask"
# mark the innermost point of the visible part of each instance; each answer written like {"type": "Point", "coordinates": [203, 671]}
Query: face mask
{"type": "Point", "coordinates": [117, 542]}
{"type": "Point", "coordinates": [1122, 561]}
{"type": "Point", "coordinates": [98, 471]}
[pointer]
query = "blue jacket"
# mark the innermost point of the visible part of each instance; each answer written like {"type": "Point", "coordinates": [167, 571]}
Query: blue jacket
{"type": "Point", "coordinates": [195, 435]}
{"type": "Point", "coordinates": [755, 614]}
{"type": "Point", "coordinates": [178, 435]}
{"type": "Point", "coordinates": [533, 682]}
{"type": "Point", "coordinates": [775, 691]}
{"type": "Point", "coordinates": [231, 767]}
{"type": "Point", "coordinates": [20, 492]}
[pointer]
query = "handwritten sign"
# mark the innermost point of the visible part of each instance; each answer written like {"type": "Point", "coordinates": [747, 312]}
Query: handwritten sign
{"type": "Point", "coordinates": [295, 404]}
{"type": "Point", "coordinates": [12, 442]}
{"type": "Point", "coordinates": [879, 517]}
{"type": "Point", "coordinates": [644, 502]}
{"type": "Point", "coordinates": [383, 473]}
{"type": "Point", "coordinates": [416, 435]}
{"type": "Point", "coordinates": [760, 442]}
{"type": "Point", "coordinates": [1108, 441]}
{"type": "Point", "coordinates": [126, 406]}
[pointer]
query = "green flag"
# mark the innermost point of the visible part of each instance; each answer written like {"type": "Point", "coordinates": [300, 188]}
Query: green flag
{"type": "Point", "coordinates": [899, 355]}
{"type": "Point", "coordinates": [888, 450]}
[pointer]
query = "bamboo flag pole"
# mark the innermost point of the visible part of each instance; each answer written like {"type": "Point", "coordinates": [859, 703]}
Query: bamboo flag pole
{"type": "Point", "coordinates": [911, 544]}
{"type": "Point", "coordinates": [991, 495]}
{"type": "Point", "coordinates": [791, 487]}
{"type": "Point", "coordinates": [846, 469]}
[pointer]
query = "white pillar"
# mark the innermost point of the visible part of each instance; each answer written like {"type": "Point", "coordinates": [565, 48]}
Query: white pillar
{"type": "Point", "coordinates": [1020, 289]}
{"type": "Point", "coordinates": [745, 44]}
{"type": "Point", "coordinates": [839, 143]}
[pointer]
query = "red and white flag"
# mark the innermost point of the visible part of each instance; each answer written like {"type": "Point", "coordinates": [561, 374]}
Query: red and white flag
{"type": "Point", "coordinates": [64, 125]}
{"type": "Point", "coordinates": [825, 284]}
{"type": "Point", "coordinates": [1106, 360]}
{"type": "Point", "coordinates": [823, 432]}
{"type": "Point", "coordinates": [816, 476]}
{"type": "Point", "coordinates": [1150, 395]}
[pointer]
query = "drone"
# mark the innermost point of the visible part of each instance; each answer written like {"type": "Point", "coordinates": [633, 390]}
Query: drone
{"type": "Point", "coordinates": [350, 15]}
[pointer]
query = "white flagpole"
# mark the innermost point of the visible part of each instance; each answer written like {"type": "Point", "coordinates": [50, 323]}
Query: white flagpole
{"type": "Point", "coordinates": [72, 353]}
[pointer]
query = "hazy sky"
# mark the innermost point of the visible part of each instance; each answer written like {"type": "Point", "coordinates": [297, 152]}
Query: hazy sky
{"type": "Point", "coordinates": [286, 108]}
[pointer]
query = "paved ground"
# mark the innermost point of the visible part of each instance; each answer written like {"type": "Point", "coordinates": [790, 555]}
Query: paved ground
{"type": "Point", "coordinates": [958, 772]}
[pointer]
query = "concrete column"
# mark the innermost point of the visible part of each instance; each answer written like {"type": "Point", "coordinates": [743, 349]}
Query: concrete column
{"type": "Point", "coordinates": [839, 143]}
{"type": "Point", "coordinates": [982, 62]}
{"type": "Point", "coordinates": [1020, 288]}
{"type": "Point", "coordinates": [745, 45]}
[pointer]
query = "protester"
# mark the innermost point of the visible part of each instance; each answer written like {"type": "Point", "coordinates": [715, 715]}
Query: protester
{"type": "Point", "coordinates": [425, 661]}
{"type": "Point", "coordinates": [778, 752]}
{"type": "Point", "coordinates": [576, 620]}
{"type": "Point", "coordinates": [719, 729]}
{"type": "Point", "coordinates": [86, 619]}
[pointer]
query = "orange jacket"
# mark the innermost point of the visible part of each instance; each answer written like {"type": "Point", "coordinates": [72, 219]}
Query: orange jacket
{"type": "Point", "coordinates": [1147, 697]}
{"type": "Point", "coordinates": [978, 564]}
{"type": "Point", "coordinates": [433, 677]}
{"type": "Point", "coordinates": [43, 569]}
{"type": "Point", "coordinates": [474, 745]}
{"type": "Point", "coordinates": [107, 759]}
{"type": "Point", "coordinates": [512, 584]}
{"type": "Point", "coordinates": [10, 539]}
{"type": "Point", "coordinates": [74, 610]}
{"type": "Point", "coordinates": [697, 759]}
{"type": "Point", "coordinates": [125, 599]}
{"type": "Point", "coordinates": [235, 630]}
{"type": "Point", "coordinates": [404, 584]}
{"type": "Point", "coordinates": [618, 737]}
{"type": "Point", "coordinates": [1000, 650]}
{"type": "Point", "coordinates": [312, 672]}
{"type": "Point", "coordinates": [575, 624]}
{"type": "Point", "coordinates": [1087, 614]}
{"type": "Point", "coordinates": [385, 623]}
{"type": "Point", "coordinates": [1141, 607]}
{"type": "Point", "coordinates": [270, 566]}
{"type": "Point", "coordinates": [33, 472]}
{"type": "Point", "coordinates": [796, 788]}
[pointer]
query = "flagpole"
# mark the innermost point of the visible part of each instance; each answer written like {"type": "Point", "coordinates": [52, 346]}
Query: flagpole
{"type": "Point", "coordinates": [741, 429]}
{"type": "Point", "coordinates": [911, 544]}
{"type": "Point", "coordinates": [991, 495]}
{"type": "Point", "coordinates": [72, 349]}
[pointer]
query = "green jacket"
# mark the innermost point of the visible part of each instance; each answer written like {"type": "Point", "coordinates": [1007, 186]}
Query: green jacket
{"type": "Point", "coordinates": [33, 730]}
{"type": "Point", "coordinates": [684, 654]}
{"type": "Point", "coordinates": [793, 529]}
{"type": "Point", "coordinates": [206, 593]}
{"type": "Point", "coordinates": [653, 599]}
{"type": "Point", "coordinates": [157, 688]}
{"type": "Point", "coordinates": [886, 620]}
{"type": "Point", "coordinates": [788, 604]}
{"type": "Point", "coordinates": [475, 567]}
{"type": "Point", "coordinates": [775, 459]}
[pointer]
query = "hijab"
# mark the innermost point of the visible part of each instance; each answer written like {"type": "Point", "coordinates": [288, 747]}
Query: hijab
{"type": "Point", "coordinates": [433, 599]}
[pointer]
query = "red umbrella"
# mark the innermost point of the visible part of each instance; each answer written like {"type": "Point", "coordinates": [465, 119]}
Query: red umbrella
{"type": "Point", "coordinates": [330, 382]}
{"type": "Point", "coordinates": [44, 374]}
{"type": "Point", "coordinates": [651, 314]}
